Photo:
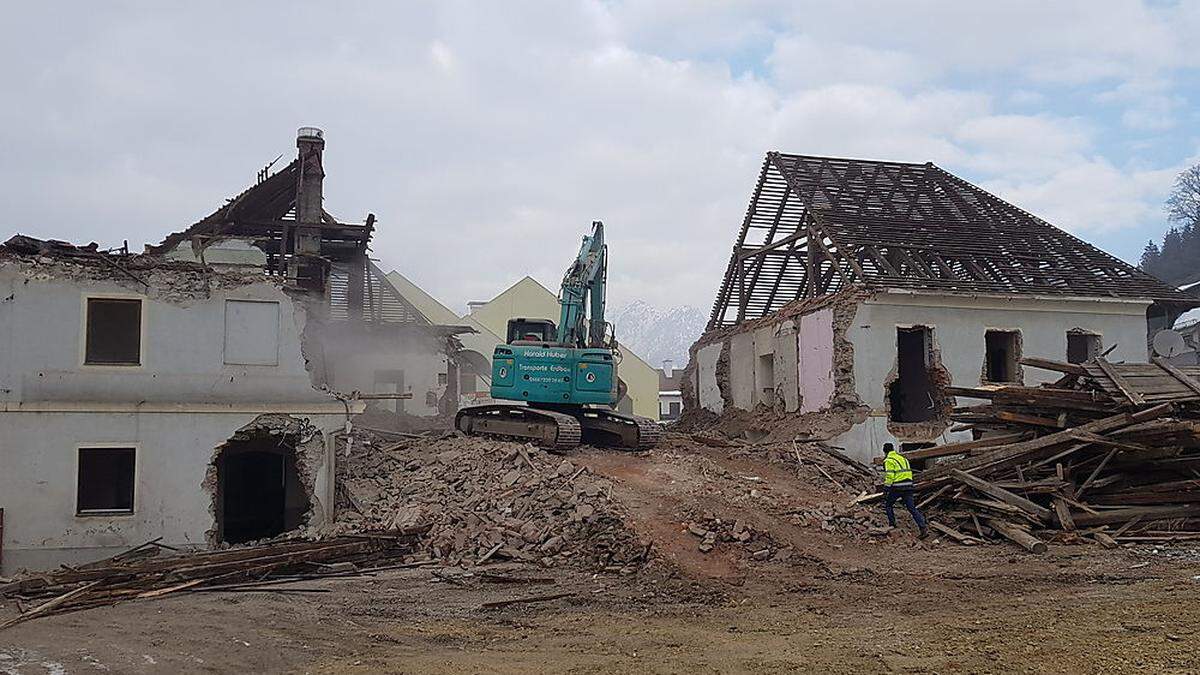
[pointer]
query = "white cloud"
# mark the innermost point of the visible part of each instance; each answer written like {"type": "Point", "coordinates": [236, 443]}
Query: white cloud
{"type": "Point", "coordinates": [487, 137]}
{"type": "Point", "coordinates": [1093, 196]}
{"type": "Point", "coordinates": [804, 62]}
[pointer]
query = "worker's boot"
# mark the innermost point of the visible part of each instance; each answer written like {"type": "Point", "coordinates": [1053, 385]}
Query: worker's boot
{"type": "Point", "coordinates": [924, 532]}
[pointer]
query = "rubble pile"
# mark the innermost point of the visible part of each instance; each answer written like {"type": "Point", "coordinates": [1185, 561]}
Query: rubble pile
{"type": "Point", "coordinates": [712, 531]}
{"type": "Point", "coordinates": [1107, 453]}
{"type": "Point", "coordinates": [483, 500]}
{"type": "Point", "coordinates": [851, 520]}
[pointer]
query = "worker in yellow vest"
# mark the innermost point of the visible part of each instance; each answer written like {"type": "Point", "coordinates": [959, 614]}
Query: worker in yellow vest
{"type": "Point", "coordinates": [898, 485]}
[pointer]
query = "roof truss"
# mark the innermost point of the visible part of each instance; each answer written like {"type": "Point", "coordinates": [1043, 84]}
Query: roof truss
{"type": "Point", "coordinates": [816, 225]}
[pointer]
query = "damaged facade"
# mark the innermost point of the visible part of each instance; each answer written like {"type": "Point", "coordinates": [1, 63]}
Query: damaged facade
{"type": "Point", "coordinates": [191, 392]}
{"type": "Point", "coordinates": [859, 291]}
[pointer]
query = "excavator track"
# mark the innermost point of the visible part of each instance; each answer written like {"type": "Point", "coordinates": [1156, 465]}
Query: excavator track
{"type": "Point", "coordinates": [613, 429]}
{"type": "Point", "coordinates": [545, 428]}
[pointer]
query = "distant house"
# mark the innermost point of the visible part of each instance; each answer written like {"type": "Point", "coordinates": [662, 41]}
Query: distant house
{"type": "Point", "coordinates": [670, 394]}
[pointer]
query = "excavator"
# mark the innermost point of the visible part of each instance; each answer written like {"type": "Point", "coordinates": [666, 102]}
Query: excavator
{"type": "Point", "coordinates": [564, 377]}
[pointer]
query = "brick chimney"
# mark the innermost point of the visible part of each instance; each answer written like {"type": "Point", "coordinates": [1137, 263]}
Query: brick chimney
{"type": "Point", "coordinates": [311, 143]}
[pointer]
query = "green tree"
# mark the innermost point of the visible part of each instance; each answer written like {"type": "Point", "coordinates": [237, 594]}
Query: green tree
{"type": "Point", "coordinates": [1178, 259]}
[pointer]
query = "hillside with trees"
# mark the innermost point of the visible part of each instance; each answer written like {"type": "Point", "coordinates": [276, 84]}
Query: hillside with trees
{"type": "Point", "coordinates": [1177, 261]}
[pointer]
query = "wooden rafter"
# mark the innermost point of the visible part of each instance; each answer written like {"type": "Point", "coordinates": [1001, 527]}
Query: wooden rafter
{"type": "Point", "coordinates": [900, 225]}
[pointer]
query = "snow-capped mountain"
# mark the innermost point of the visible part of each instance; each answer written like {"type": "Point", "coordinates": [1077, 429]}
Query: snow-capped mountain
{"type": "Point", "coordinates": [657, 334]}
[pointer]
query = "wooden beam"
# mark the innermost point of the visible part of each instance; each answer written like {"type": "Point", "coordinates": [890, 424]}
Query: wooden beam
{"type": "Point", "coordinates": [813, 238]}
{"type": "Point", "coordinates": [1062, 513]}
{"type": "Point", "coordinates": [1095, 472]}
{"type": "Point", "coordinates": [1122, 384]}
{"type": "Point", "coordinates": [1017, 535]}
{"type": "Point", "coordinates": [954, 534]}
{"type": "Point", "coordinates": [1057, 366]}
{"type": "Point", "coordinates": [960, 448]}
{"type": "Point", "coordinates": [1178, 374]}
{"type": "Point", "coordinates": [1022, 418]}
{"type": "Point", "coordinates": [1041, 512]}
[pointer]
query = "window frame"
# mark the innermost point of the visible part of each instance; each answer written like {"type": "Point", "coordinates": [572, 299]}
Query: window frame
{"type": "Point", "coordinates": [225, 332]}
{"type": "Point", "coordinates": [83, 331]}
{"type": "Point", "coordinates": [1017, 376]}
{"type": "Point", "coordinates": [137, 470]}
{"type": "Point", "coordinates": [1087, 335]}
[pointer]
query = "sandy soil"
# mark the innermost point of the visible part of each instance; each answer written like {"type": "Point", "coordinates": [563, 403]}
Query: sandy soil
{"type": "Point", "coordinates": [840, 604]}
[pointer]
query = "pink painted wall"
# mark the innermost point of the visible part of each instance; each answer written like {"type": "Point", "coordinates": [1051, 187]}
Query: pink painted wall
{"type": "Point", "coordinates": [814, 363]}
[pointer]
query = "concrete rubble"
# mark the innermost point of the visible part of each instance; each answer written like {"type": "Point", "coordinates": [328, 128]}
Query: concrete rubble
{"type": "Point", "coordinates": [483, 500]}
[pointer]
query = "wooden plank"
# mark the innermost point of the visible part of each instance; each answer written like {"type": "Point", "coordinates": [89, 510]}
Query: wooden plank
{"type": "Point", "coordinates": [953, 534]}
{"type": "Point", "coordinates": [1017, 535]}
{"type": "Point", "coordinates": [1040, 512]}
{"type": "Point", "coordinates": [1148, 514]}
{"type": "Point", "coordinates": [1126, 527]}
{"type": "Point", "coordinates": [50, 604]}
{"type": "Point", "coordinates": [1096, 472]}
{"type": "Point", "coordinates": [1022, 418]}
{"type": "Point", "coordinates": [960, 448]}
{"type": "Point", "coordinates": [1009, 454]}
{"type": "Point", "coordinates": [1063, 513]}
{"type": "Point", "coordinates": [1177, 374]}
{"type": "Point", "coordinates": [537, 598]}
{"type": "Point", "coordinates": [1057, 366]}
{"type": "Point", "coordinates": [1133, 396]}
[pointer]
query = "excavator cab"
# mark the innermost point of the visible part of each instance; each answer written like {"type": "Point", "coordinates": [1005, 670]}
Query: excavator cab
{"type": "Point", "coordinates": [522, 331]}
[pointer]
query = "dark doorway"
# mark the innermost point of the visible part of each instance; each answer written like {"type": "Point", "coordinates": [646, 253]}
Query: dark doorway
{"type": "Point", "coordinates": [911, 394]}
{"type": "Point", "coordinates": [259, 491]}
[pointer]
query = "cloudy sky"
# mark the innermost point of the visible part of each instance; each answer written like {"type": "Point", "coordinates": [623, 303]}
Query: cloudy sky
{"type": "Point", "coordinates": [486, 136]}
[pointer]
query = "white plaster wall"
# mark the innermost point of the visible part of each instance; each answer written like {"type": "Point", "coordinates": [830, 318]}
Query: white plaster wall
{"type": "Point", "coordinates": [741, 370]}
{"type": "Point", "coordinates": [708, 392]}
{"type": "Point", "coordinates": [41, 355]}
{"type": "Point", "coordinates": [959, 324]}
{"type": "Point", "coordinates": [356, 371]}
{"type": "Point", "coordinates": [815, 363]}
{"type": "Point", "coordinates": [38, 483]}
{"type": "Point", "coordinates": [764, 366]}
{"type": "Point", "coordinates": [50, 403]}
{"type": "Point", "coordinates": [787, 366]}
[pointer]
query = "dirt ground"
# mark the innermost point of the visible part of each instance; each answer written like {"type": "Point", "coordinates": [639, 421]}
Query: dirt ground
{"type": "Point", "coordinates": [826, 601]}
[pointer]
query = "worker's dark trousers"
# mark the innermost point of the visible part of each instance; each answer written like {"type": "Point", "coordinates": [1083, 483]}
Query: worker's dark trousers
{"type": "Point", "coordinates": [891, 494]}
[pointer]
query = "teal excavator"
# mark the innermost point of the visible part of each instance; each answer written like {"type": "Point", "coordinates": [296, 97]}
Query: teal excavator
{"type": "Point", "coordinates": [565, 376]}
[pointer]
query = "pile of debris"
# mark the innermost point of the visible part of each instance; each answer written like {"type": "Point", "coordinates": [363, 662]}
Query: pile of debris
{"type": "Point", "coordinates": [712, 530]}
{"type": "Point", "coordinates": [1108, 452]}
{"type": "Point", "coordinates": [142, 572]}
{"type": "Point", "coordinates": [483, 500]}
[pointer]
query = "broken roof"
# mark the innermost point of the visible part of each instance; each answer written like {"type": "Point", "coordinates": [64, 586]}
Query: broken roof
{"type": "Point", "coordinates": [816, 225]}
{"type": "Point", "coordinates": [264, 210]}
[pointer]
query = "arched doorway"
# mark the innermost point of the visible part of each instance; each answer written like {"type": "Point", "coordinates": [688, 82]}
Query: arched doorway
{"type": "Point", "coordinates": [259, 493]}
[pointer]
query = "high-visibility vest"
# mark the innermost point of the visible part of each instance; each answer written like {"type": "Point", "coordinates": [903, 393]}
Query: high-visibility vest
{"type": "Point", "coordinates": [896, 470]}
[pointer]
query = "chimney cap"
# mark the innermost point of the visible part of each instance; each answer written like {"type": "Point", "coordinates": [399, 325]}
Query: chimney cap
{"type": "Point", "coordinates": [310, 132]}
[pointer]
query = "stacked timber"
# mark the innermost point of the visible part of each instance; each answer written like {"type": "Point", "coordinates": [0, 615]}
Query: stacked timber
{"type": "Point", "coordinates": [1108, 453]}
{"type": "Point", "coordinates": [142, 573]}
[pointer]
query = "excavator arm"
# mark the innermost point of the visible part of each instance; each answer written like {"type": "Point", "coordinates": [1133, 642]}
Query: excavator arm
{"type": "Point", "coordinates": [581, 322]}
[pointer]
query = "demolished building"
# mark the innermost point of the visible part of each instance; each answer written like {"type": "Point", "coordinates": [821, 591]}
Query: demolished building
{"type": "Point", "coordinates": [191, 392]}
{"type": "Point", "coordinates": [859, 291]}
